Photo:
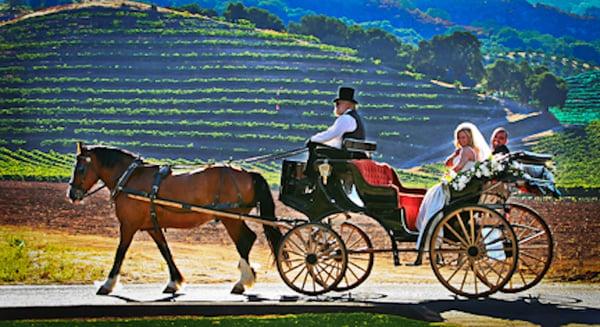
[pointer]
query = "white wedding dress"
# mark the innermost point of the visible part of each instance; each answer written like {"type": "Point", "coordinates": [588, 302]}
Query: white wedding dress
{"type": "Point", "coordinates": [435, 199]}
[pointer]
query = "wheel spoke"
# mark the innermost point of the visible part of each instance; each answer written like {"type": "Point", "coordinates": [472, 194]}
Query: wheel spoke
{"type": "Point", "coordinates": [472, 227]}
{"type": "Point", "coordinates": [531, 237]}
{"type": "Point", "coordinates": [294, 268]}
{"type": "Point", "coordinates": [464, 229]}
{"type": "Point", "coordinates": [474, 276]}
{"type": "Point", "coordinates": [455, 271]}
{"type": "Point", "coordinates": [300, 248]}
{"type": "Point", "coordinates": [299, 273]}
{"type": "Point", "coordinates": [453, 242]}
{"type": "Point", "coordinates": [532, 257]}
{"type": "Point", "coordinates": [455, 233]}
{"type": "Point", "coordinates": [462, 285]}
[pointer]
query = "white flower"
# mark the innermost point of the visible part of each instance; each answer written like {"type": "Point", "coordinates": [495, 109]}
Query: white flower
{"type": "Point", "coordinates": [485, 171]}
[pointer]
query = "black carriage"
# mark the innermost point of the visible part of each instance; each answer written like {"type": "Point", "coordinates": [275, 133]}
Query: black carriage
{"type": "Point", "coordinates": [480, 242]}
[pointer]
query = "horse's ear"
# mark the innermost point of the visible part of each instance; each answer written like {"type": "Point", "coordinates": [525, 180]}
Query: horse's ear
{"type": "Point", "coordinates": [79, 147]}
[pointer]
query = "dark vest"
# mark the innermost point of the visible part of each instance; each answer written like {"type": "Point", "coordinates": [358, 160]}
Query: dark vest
{"type": "Point", "coordinates": [359, 132]}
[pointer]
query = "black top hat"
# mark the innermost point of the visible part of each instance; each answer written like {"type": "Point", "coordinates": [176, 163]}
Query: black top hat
{"type": "Point", "coordinates": [347, 94]}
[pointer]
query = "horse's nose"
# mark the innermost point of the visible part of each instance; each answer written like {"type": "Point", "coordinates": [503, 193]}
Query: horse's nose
{"type": "Point", "coordinates": [72, 194]}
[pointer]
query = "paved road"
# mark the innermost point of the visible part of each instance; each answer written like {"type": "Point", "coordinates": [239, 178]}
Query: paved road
{"type": "Point", "coordinates": [547, 304]}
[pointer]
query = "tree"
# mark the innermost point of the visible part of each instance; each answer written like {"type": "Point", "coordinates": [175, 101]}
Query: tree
{"type": "Point", "coordinates": [195, 8]}
{"type": "Point", "coordinates": [451, 57]}
{"type": "Point", "coordinates": [260, 17]}
{"type": "Point", "coordinates": [327, 29]}
{"type": "Point", "coordinates": [549, 90]}
{"type": "Point", "coordinates": [498, 75]}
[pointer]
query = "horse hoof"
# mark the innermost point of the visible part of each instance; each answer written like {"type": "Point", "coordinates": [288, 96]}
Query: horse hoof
{"type": "Point", "coordinates": [103, 291]}
{"type": "Point", "coordinates": [170, 290]}
{"type": "Point", "coordinates": [238, 289]}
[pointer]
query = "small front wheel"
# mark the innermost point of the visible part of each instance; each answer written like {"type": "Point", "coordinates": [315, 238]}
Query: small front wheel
{"type": "Point", "coordinates": [312, 259]}
{"type": "Point", "coordinates": [473, 251]}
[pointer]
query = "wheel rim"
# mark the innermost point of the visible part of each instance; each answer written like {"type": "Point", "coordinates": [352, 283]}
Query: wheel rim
{"type": "Point", "coordinates": [473, 251]}
{"type": "Point", "coordinates": [535, 247]}
{"type": "Point", "coordinates": [311, 259]}
{"type": "Point", "coordinates": [360, 259]}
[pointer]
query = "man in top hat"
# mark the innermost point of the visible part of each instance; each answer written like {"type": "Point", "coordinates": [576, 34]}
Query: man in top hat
{"type": "Point", "coordinates": [347, 125]}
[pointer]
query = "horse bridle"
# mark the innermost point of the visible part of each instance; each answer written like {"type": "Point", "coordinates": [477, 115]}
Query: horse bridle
{"type": "Point", "coordinates": [82, 169]}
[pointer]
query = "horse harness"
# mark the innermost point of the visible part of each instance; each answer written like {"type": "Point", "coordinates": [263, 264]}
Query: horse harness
{"type": "Point", "coordinates": [164, 171]}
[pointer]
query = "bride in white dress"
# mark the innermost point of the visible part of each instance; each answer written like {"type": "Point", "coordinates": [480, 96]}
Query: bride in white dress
{"type": "Point", "coordinates": [470, 147]}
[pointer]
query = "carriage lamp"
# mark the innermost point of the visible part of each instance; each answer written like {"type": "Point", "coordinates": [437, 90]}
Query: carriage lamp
{"type": "Point", "coordinates": [325, 171]}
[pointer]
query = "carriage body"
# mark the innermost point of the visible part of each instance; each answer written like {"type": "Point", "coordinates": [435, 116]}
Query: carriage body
{"type": "Point", "coordinates": [483, 207]}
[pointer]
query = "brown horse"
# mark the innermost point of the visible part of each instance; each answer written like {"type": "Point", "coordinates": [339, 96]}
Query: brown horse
{"type": "Point", "coordinates": [209, 187]}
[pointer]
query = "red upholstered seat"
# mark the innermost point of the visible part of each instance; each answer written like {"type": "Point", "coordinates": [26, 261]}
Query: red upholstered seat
{"type": "Point", "coordinates": [381, 174]}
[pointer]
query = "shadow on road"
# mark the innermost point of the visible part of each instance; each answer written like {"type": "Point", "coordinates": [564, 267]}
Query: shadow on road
{"type": "Point", "coordinates": [537, 310]}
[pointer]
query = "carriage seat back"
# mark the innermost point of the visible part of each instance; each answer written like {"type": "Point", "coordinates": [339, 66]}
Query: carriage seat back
{"type": "Point", "coordinates": [381, 174]}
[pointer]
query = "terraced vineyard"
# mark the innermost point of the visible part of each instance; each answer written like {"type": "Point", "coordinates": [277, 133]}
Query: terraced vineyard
{"type": "Point", "coordinates": [583, 100]}
{"type": "Point", "coordinates": [172, 85]}
{"type": "Point", "coordinates": [560, 66]}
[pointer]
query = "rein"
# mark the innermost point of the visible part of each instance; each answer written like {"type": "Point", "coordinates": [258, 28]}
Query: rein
{"type": "Point", "coordinates": [262, 158]}
{"type": "Point", "coordinates": [94, 191]}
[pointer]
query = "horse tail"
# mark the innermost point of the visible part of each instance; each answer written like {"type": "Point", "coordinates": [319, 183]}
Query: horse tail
{"type": "Point", "coordinates": [264, 200]}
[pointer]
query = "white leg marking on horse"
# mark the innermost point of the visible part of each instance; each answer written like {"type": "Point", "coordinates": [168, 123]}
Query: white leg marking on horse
{"type": "Point", "coordinates": [110, 283]}
{"type": "Point", "coordinates": [174, 285]}
{"type": "Point", "coordinates": [248, 277]}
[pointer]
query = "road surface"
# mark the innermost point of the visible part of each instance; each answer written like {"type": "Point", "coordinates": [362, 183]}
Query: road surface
{"type": "Point", "coordinates": [548, 304]}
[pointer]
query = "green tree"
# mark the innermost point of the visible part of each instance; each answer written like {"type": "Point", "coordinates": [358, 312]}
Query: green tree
{"type": "Point", "coordinates": [549, 90]}
{"type": "Point", "coordinates": [498, 75]}
{"type": "Point", "coordinates": [259, 17]}
{"type": "Point", "coordinates": [195, 8]}
{"type": "Point", "coordinates": [327, 29]}
{"type": "Point", "coordinates": [451, 57]}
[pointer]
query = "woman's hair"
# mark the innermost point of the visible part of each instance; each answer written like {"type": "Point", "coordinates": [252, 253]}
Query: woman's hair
{"type": "Point", "coordinates": [471, 144]}
{"type": "Point", "coordinates": [496, 131]}
{"type": "Point", "coordinates": [476, 140]}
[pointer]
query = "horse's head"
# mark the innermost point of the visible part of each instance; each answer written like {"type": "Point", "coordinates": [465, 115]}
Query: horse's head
{"type": "Point", "coordinates": [85, 174]}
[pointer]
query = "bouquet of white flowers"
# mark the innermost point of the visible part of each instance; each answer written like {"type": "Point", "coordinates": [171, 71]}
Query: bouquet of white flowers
{"type": "Point", "coordinates": [488, 169]}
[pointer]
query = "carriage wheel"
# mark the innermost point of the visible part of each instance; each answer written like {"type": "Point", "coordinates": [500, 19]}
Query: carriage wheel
{"type": "Point", "coordinates": [360, 259]}
{"type": "Point", "coordinates": [473, 251]}
{"type": "Point", "coordinates": [535, 247]}
{"type": "Point", "coordinates": [312, 259]}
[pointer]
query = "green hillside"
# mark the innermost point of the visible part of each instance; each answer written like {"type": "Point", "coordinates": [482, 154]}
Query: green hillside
{"type": "Point", "coordinates": [176, 86]}
{"type": "Point", "coordinates": [170, 85]}
{"type": "Point", "coordinates": [583, 100]}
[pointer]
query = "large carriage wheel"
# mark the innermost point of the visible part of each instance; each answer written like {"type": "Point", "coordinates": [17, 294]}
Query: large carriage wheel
{"type": "Point", "coordinates": [473, 251]}
{"type": "Point", "coordinates": [360, 256]}
{"type": "Point", "coordinates": [535, 247]}
{"type": "Point", "coordinates": [312, 259]}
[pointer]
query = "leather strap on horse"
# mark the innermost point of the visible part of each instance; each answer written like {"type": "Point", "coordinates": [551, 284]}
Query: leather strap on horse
{"type": "Point", "coordinates": [229, 205]}
{"type": "Point", "coordinates": [125, 177]}
{"type": "Point", "coordinates": [163, 172]}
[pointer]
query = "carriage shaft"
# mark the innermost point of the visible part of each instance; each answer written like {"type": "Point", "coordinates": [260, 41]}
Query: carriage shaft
{"type": "Point", "coordinates": [200, 209]}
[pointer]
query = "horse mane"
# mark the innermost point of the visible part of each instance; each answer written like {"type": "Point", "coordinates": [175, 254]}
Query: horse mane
{"type": "Point", "coordinates": [110, 156]}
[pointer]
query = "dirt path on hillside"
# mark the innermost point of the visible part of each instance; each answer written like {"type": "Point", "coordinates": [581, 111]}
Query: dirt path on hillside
{"type": "Point", "coordinates": [575, 226]}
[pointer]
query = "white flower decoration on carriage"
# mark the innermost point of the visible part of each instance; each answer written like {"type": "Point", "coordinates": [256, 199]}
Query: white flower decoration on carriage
{"type": "Point", "coordinates": [488, 169]}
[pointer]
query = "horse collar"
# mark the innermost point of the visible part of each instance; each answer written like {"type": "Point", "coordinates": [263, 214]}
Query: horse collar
{"type": "Point", "coordinates": [125, 177]}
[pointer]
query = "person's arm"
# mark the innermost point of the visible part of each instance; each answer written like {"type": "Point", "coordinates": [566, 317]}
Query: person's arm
{"type": "Point", "coordinates": [450, 159]}
{"type": "Point", "coordinates": [342, 124]}
{"type": "Point", "coordinates": [466, 156]}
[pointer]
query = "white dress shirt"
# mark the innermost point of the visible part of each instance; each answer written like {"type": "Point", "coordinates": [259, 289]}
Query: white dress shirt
{"type": "Point", "coordinates": [333, 135]}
